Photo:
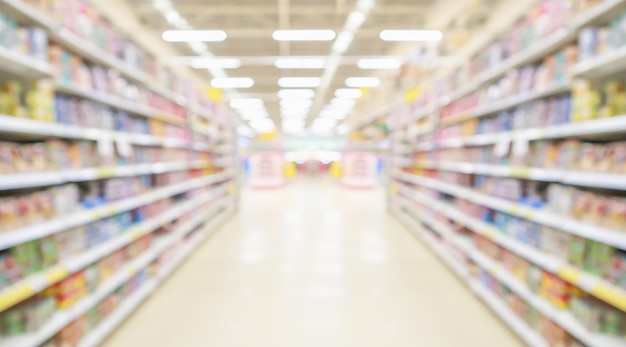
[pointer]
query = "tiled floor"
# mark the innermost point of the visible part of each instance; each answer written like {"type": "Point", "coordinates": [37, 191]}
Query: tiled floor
{"type": "Point", "coordinates": [313, 265]}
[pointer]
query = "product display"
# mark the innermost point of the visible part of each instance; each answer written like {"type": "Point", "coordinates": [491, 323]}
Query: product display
{"type": "Point", "coordinates": [109, 175]}
{"type": "Point", "coordinates": [515, 173]}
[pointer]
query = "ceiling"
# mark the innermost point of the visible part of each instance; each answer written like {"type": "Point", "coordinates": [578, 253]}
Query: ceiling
{"type": "Point", "coordinates": [249, 25]}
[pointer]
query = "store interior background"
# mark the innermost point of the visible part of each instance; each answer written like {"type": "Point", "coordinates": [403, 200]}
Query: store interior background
{"type": "Point", "coordinates": [313, 173]}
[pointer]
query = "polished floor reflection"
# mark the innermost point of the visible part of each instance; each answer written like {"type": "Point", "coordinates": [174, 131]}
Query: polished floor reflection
{"type": "Point", "coordinates": [313, 265]}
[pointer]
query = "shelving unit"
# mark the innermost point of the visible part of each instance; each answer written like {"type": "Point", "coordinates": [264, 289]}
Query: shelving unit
{"type": "Point", "coordinates": [444, 188]}
{"type": "Point", "coordinates": [187, 194]}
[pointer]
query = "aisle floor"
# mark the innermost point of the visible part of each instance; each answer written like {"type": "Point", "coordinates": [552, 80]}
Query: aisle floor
{"type": "Point", "coordinates": [313, 265]}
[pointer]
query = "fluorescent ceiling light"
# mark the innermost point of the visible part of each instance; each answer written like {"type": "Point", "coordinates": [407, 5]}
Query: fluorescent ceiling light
{"type": "Point", "coordinates": [262, 123]}
{"type": "Point", "coordinates": [342, 129]}
{"type": "Point", "coordinates": [304, 35]}
{"type": "Point", "coordinates": [411, 35]}
{"type": "Point", "coordinates": [355, 20]}
{"type": "Point", "coordinates": [252, 116]}
{"type": "Point", "coordinates": [300, 63]}
{"type": "Point", "coordinates": [204, 63]}
{"type": "Point", "coordinates": [343, 41]}
{"type": "Point", "coordinates": [232, 82]}
{"type": "Point", "coordinates": [296, 94]}
{"type": "Point", "coordinates": [365, 5]}
{"type": "Point", "coordinates": [245, 131]}
{"type": "Point", "coordinates": [324, 123]}
{"type": "Point", "coordinates": [363, 82]}
{"type": "Point", "coordinates": [296, 103]}
{"type": "Point", "coordinates": [293, 123]}
{"type": "Point", "coordinates": [348, 93]}
{"type": "Point", "coordinates": [379, 64]}
{"type": "Point", "coordinates": [328, 114]}
{"type": "Point", "coordinates": [194, 35]}
{"type": "Point", "coordinates": [343, 102]}
{"type": "Point", "coordinates": [245, 103]}
{"type": "Point", "coordinates": [299, 82]}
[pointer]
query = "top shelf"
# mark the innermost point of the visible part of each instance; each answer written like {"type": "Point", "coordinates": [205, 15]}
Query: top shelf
{"type": "Point", "coordinates": [598, 13]}
{"type": "Point", "coordinates": [85, 48]}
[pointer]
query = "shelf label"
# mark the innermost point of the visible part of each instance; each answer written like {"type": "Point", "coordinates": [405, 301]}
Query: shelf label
{"type": "Point", "coordinates": [610, 295]}
{"type": "Point", "coordinates": [519, 172]}
{"type": "Point", "coordinates": [57, 274]}
{"type": "Point", "coordinates": [106, 172]}
{"type": "Point", "coordinates": [15, 296]}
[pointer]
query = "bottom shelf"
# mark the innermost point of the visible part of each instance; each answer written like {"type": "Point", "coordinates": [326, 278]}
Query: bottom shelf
{"type": "Point", "coordinates": [109, 324]}
{"type": "Point", "coordinates": [497, 305]}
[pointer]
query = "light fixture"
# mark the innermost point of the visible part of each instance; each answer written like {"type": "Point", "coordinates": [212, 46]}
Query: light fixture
{"type": "Point", "coordinates": [304, 35]}
{"type": "Point", "coordinates": [348, 93]}
{"type": "Point", "coordinates": [324, 123]}
{"type": "Point", "coordinates": [232, 82]}
{"type": "Point", "coordinates": [294, 115]}
{"type": "Point", "coordinates": [379, 64]}
{"type": "Point", "coordinates": [363, 82]}
{"type": "Point", "coordinates": [264, 124]}
{"type": "Point", "coordinates": [300, 63]}
{"type": "Point", "coordinates": [296, 103]}
{"type": "Point", "coordinates": [342, 129]}
{"type": "Point", "coordinates": [299, 82]}
{"type": "Point", "coordinates": [343, 102]}
{"type": "Point", "coordinates": [329, 114]}
{"type": "Point", "coordinates": [411, 35]}
{"type": "Point", "coordinates": [246, 103]}
{"type": "Point", "coordinates": [194, 35]}
{"type": "Point", "coordinates": [254, 115]}
{"type": "Point", "coordinates": [296, 94]}
{"type": "Point", "coordinates": [355, 20]}
{"type": "Point", "coordinates": [343, 41]}
{"type": "Point", "coordinates": [293, 123]}
{"type": "Point", "coordinates": [225, 63]}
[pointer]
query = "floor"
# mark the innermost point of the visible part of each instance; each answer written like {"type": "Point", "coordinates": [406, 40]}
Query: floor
{"type": "Point", "coordinates": [313, 265]}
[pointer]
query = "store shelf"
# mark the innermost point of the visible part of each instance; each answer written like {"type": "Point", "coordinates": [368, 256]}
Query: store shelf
{"type": "Point", "coordinates": [509, 102]}
{"type": "Point", "coordinates": [15, 237]}
{"type": "Point", "coordinates": [118, 103]}
{"type": "Point", "coordinates": [583, 179]}
{"type": "Point", "coordinates": [109, 324]}
{"type": "Point", "coordinates": [541, 48]}
{"type": "Point", "coordinates": [41, 179]}
{"type": "Point", "coordinates": [561, 317]}
{"type": "Point", "coordinates": [607, 126]}
{"type": "Point", "coordinates": [595, 286]}
{"type": "Point", "coordinates": [84, 47]}
{"type": "Point", "coordinates": [32, 285]}
{"type": "Point", "coordinates": [602, 66]}
{"type": "Point", "coordinates": [515, 323]}
{"type": "Point", "coordinates": [604, 235]}
{"type": "Point", "coordinates": [65, 317]}
{"type": "Point", "coordinates": [22, 65]}
{"type": "Point", "coordinates": [29, 127]}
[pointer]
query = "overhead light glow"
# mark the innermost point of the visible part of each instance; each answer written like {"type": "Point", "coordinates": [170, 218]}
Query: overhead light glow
{"type": "Point", "coordinates": [363, 82]}
{"type": "Point", "coordinates": [411, 35]}
{"type": "Point", "coordinates": [245, 131]}
{"type": "Point", "coordinates": [293, 123]}
{"type": "Point", "coordinates": [379, 64]}
{"type": "Point", "coordinates": [324, 123]}
{"type": "Point", "coordinates": [252, 115]}
{"type": "Point", "coordinates": [343, 42]}
{"type": "Point", "coordinates": [343, 102]}
{"type": "Point", "coordinates": [342, 129]}
{"type": "Point", "coordinates": [355, 20]}
{"type": "Point", "coordinates": [300, 63]}
{"type": "Point", "coordinates": [296, 94]}
{"type": "Point", "coordinates": [328, 114]}
{"type": "Point", "coordinates": [304, 35]}
{"type": "Point", "coordinates": [262, 124]}
{"type": "Point", "coordinates": [348, 93]}
{"type": "Point", "coordinates": [232, 82]}
{"type": "Point", "coordinates": [246, 103]}
{"type": "Point", "coordinates": [194, 35]}
{"type": "Point", "coordinates": [203, 63]}
{"type": "Point", "coordinates": [296, 103]}
{"type": "Point", "coordinates": [294, 115]}
{"type": "Point", "coordinates": [299, 82]}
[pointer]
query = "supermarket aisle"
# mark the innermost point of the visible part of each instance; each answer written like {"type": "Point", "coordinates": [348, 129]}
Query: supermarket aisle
{"type": "Point", "coordinates": [313, 265]}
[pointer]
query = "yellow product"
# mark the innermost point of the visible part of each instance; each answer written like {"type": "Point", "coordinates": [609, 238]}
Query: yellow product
{"type": "Point", "coordinates": [585, 100]}
{"type": "Point", "coordinates": [10, 99]}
